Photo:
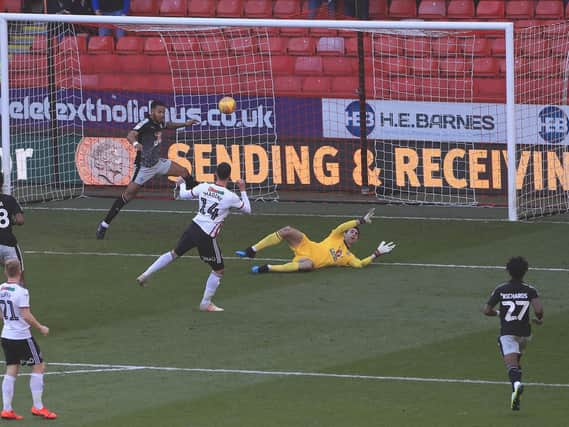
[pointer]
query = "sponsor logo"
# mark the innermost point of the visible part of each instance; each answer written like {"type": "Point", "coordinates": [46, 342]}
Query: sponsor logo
{"type": "Point", "coordinates": [215, 190]}
{"type": "Point", "coordinates": [105, 161]}
{"type": "Point", "coordinates": [336, 254]}
{"type": "Point", "coordinates": [96, 110]}
{"type": "Point", "coordinates": [553, 124]}
{"type": "Point", "coordinates": [8, 288]}
{"type": "Point", "coordinates": [353, 119]}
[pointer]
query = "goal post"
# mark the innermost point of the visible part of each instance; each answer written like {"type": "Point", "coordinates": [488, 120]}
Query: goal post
{"type": "Point", "coordinates": [330, 157]}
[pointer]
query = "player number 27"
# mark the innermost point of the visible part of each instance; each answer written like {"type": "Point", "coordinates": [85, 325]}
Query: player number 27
{"type": "Point", "coordinates": [8, 305]}
{"type": "Point", "coordinates": [212, 211]}
{"type": "Point", "coordinates": [512, 305]}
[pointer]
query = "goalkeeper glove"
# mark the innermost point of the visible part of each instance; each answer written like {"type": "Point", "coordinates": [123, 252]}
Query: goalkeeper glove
{"type": "Point", "coordinates": [366, 219]}
{"type": "Point", "coordinates": [384, 248]}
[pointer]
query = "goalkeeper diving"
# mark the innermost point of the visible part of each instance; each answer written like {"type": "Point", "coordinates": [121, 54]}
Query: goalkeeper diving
{"type": "Point", "coordinates": [334, 250]}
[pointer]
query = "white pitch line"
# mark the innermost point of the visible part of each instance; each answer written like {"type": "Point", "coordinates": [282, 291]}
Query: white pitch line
{"type": "Point", "coordinates": [104, 367]}
{"type": "Point", "coordinates": [388, 217]}
{"type": "Point", "coordinates": [390, 264]}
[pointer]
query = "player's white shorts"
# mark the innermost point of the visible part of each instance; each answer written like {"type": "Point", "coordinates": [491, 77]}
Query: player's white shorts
{"type": "Point", "coordinates": [513, 344]}
{"type": "Point", "coordinates": [11, 252]}
{"type": "Point", "coordinates": [144, 174]}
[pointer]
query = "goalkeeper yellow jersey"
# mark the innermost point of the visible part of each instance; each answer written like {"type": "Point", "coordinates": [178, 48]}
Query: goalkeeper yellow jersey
{"type": "Point", "coordinates": [332, 251]}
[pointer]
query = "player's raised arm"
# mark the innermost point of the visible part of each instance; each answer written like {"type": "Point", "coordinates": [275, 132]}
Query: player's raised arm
{"type": "Point", "coordinates": [538, 310]}
{"type": "Point", "coordinates": [366, 219]}
{"type": "Point", "coordinates": [243, 204]}
{"type": "Point", "coordinates": [172, 125]}
{"type": "Point", "coordinates": [188, 190]}
{"type": "Point", "coordinates": [382, 249]}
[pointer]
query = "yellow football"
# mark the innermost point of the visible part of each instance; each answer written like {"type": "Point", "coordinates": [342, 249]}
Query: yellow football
{"type": "Point", "coordinates": [227, 105]}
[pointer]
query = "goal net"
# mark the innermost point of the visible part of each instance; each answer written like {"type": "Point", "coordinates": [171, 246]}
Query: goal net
{"type": "Point", "coordinates": [44, 82]}
{"type": "Point", "coordinates": [435, 113]}
{"type": "Point", "coordinates": [542, 150]}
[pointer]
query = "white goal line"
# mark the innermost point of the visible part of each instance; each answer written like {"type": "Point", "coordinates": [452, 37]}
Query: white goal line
{"type": "Point", "coordinates": [88, 368]}
{"type": "Point", "coordinates": [389, 264]}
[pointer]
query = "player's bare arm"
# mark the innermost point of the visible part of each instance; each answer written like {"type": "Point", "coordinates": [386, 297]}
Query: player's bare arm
{"type": "Point", "coordinates": [132, 137]}
{"type": "Point", "coordinates": [32, 321]}
{"type": "Point", "coordinates": [18, 219]}
{"type": "Point", "coordinates": [490, 311]}
{"type": "Point", "coordinates": [172, 125]}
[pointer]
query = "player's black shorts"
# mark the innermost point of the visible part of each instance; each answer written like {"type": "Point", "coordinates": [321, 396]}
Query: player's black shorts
{"type": "Point", "coordinates": [207, 246]}
{"type": "Point", "coordinates": [22, 352]}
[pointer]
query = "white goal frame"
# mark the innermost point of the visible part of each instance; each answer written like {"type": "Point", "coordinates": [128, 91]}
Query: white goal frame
{"type": "Point", "coordinates": [506, 27]}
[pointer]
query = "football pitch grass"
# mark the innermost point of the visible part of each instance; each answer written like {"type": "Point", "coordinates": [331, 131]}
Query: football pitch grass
{"type": "Point", "coordinates": [400, 343]}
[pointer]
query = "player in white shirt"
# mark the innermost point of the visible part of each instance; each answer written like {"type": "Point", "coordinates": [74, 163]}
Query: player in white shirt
{"type": "Point", "coordinates": [214, 204]}
{"type": "Point", "coordinates": [19, 346]}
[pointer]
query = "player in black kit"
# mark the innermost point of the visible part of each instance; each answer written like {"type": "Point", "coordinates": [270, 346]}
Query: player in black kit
{"type": "Point", "coordinates": [514, 299]}
{"type": "Point", "coordinates": [10, 214]}
{"type": "Point", "coordinates": [146, 138]}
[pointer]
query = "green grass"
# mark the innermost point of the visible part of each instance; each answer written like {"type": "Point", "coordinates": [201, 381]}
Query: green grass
{"type": "Point", "coordinates": [387, 320]}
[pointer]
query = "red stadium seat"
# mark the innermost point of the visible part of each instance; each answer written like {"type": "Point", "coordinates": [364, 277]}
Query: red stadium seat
{"type": "Point", "coordinates": [111, 81]}
{"type": "Point", "coordinates": [446, 46]}
{"type": "Point", "coordinates": [393, 66]}
{"type": "Point", "coordinates": [242, 45]}
{"type": "Point", "coordinates": [213, 45]}
{"type": "Point", "coordinates": [184, 44]}
{"type": "Point", "coordinates": [520, 9]}
{"type": "Point", "coordinates": [537, 47]}
{"type": "Point", "coordinates": [460, 9]}
{"type": "Point", "coordinates": [386, 45]}
{"type": "Point", "coordinates": [144, 7]}
{"type": "Point", "coordinates": [333, 46]}
{"type": "Point", "coordinates": [322, 32]}
{"type": "Point", "coordinates": [11, 6]}
{"type": "Point", "coordinates": [525, 23]}
{"type": "Point", "coordinates": [133, 63]}
{"type": "Point", "coordinates": [424, 66]}
{"type": "Point", "coordinates": [86, 63]}
{"type": "Point", "coordinates": [478, 46]}
{"type": "Point", "coordinates": [403, 9]}
{"type": "Point", "coordinates": [377, 9]}
{"type": "Point", "coordinates": [351, 45]}
{"type": "Point", "coordinates": [283, 64]}
{"type": "Point", "coordinates": [107, 63]}
{"type": "Point", "coordinates": [70, 44]}
{"type": "Point", "coordinates": [173, 8]}
{"type": "Point", "coordinates": [154, 46]}
{"type": "Point", "coordinates": [39, 44]}
{"type": "Point", "coordinates": [432, 9]}
{"type": "Point", "coordinates": [101, 45]}
{"type": "Point", "coordinates": [201, 8]}
{"type": "Point", "coordinates": [130, 45]}
{"type": "Point", "coordinates": [345, 87]}
{"type": "Point", "coordinates": [288, 85]}
{"type": "Point", "coordinates": [229, 8]}
{"type": "Point", "coordinates": [454, 66]}
{"type": "Point", "coordinates": [90, 81]}
{"type": "Point", "coordinates": [340, 66]}
{"type": "Point", "coordinates": [417, 46]}
{"type": "Point", "coordinates": [498, 47]}
{"type": "Point", "coordinates": [259, 9]}
{"type": "Point", "coordinates": [491, 9]}
{"type": "Point", "coordinates": [316, 86]}
{"type": "Point", "coordinates": [159, 64]}
{"type": "Point", "coordinates": [293, 31]}
{"type": "Point", "coordinates": [162, 83]}
{"type": "Point", "coordinates": [549, 9]}
{"type": "Point", "coordinates": [559, 47]}
{"type": "Point", "coordinates": [286, 8]}
{"type": "Point", "coordinates": [490, 90]}
{"type": "Point", "coordinates": [276, 46]}
{"type": "Point", "coordinates": [27, 63]}
{"type": "Point", "coordinates": [486, 67]}
{"type": "Point", "coordinates": [300, 46]}
{"type": "Point", "coordinates": [308, 66]}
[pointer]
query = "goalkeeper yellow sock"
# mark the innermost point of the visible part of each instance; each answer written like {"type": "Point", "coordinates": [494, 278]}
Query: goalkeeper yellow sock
{"type": "Point", "coordinates": [285, 268]}
{"type": "Point", "coordinates": [268, 241]}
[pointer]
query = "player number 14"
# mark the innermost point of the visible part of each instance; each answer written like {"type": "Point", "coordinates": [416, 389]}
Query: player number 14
{"type": "Point", "coordinates": [512, 305]}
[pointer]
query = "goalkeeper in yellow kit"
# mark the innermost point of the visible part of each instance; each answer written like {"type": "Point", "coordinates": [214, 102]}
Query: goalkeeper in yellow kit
{"type": "Point", "coordinates": [334, 250]}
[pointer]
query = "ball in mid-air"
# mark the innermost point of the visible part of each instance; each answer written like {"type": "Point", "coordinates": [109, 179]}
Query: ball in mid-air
{"type": "Point", "coordinates": [227, 105]}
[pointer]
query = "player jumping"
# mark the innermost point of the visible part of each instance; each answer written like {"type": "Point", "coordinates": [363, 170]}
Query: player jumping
{"type": "Point", "coordinates": [146, 137]}
{"type": "Point", "coordinates": [335, 250]}
{"type": "Point", "coordinates": [514, 298]}
{"type": "Point", "coordinates": [215, 202]}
